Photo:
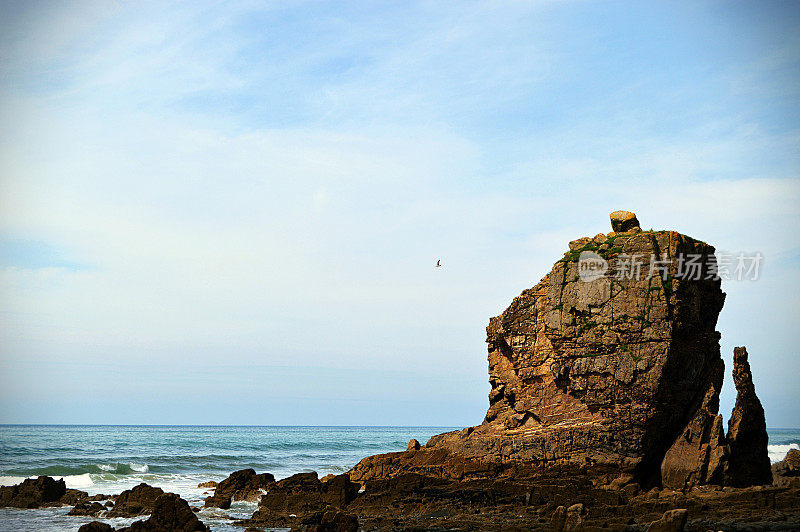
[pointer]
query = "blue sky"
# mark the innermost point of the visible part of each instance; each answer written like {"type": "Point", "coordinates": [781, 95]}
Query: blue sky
{"type": "Point", "coordinates": [228, 212]}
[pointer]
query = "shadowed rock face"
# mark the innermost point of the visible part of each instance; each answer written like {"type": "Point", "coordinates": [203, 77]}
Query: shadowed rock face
{"type": "Point", "coordinates": [747, 430]}
{"type": "Point", "coordinates": [598, 371]}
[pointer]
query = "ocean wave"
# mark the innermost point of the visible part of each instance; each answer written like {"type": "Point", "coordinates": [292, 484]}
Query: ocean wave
{"type": "Point", "coordinates": [118, 468]}
{"type": "Point", "coordinates": [778, 452]}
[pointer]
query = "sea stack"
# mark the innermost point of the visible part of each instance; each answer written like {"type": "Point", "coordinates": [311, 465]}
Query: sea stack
{"type": "Point", "coordinates": [611, 363]}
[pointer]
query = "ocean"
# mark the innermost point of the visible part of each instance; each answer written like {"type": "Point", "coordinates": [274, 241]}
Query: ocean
{"type": "Point", "coordinates": [109, 459]}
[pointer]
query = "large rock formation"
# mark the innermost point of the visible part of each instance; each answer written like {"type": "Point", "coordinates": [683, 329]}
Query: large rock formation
{"type": "Point", "coordinates": [601, 364]}
{"type": "Point", "coordinates": [747, 430]}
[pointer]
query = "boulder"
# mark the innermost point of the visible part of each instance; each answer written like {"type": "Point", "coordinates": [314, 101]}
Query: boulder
{"type": "Point", "coordinates": [243, 485]}
{"type": "Point", "coordinates": [209, 484]}
{"type": "Point", "coordinates": [623, 221]}
{"type": "Point", "coordinates": [170, 514]}
{"type": "Point", "coordinates": [33, 493]}
{"type": "Point", "coordinates": [747, 430]}
{"type": "Point", "coordinates": [136, 501]}
{"type": "Point", "coordinates": [671, 521]}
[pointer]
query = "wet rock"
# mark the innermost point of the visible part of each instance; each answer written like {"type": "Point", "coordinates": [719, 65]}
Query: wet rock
{"type": "Point", "coordinates": [243, 485]}
{"type": "Point", "coordinates": [170, 514]}
{"type": "Point", "coordinates": [87, 508]}
{"type": "Point", "coordinates": [787, 471]}
{"type": "Point", "coordinates": [303, 493]}
{"type": "Point", "coordinates": [623, 221]}
{"type": "Point", "coordinates": [671, 521]}
{"type": "Point", "coordinates": [300, 496]}
{"type": "Point", "coordinates": [209, 484]}
{"type": "Point", "coordinates": [72, 496]}
{"type": "Point", "coordinates": [95, 526]}
{"type": "Point", "coordinates": [136, 501]}
{"type": "Point", "coordinates": [747, 430]}
{"type": "Point", "coordinates": [33, 493]}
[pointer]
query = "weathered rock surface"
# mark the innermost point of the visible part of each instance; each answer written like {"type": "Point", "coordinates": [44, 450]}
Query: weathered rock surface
{"type": "Point", "coordinates": [136, 501]}
{"type": "Point", "coordinates": [605, 374]}
{"type": "Point", "coordinates": [748, 464]}
{"type": "Point", "coordinates": [302, 496]}
{"type": "Point", "coordinates": [787, 471]}
{"type": "Point", "coordinates": [170, 514]}
{"type": "Point", "coordinates": [243, 485]}
{"type": "Point", "coordinates": [700, 454]}
{"type": "Point", "coordinates": [37, 492]}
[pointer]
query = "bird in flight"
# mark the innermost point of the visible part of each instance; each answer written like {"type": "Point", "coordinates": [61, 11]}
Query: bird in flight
{"type": "Point", "coordinates": [439, 263]}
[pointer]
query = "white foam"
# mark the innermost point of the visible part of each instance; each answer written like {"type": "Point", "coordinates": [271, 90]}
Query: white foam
{"type": "Point", "coordinates": [778, 452]}
{"type": "Point", "coordinates": [77, 481]}
{"type": "Point", "coordinates": [72, 481]}
{"type": "Point", "coordinates": [139, 468]}
{"type": "Point", "coordinates": [107, 467]}
{"type": "Point", "coordinates": [11, 481]}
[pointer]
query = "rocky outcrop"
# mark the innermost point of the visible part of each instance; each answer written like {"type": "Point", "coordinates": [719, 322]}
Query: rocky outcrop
{"type": "Point", "coordinates": [302, 496]}
{"type": "Point", "coordinates": [136, 501]}
{"type": "Point", "coordinates": [787, 471]}
{"type": "Point", "coordinates": [748, 464]}
{"type": "Point", "coordinates": [602, 365]}
{"type": "Point", "coordinates": [244, 485]}
{"type": "Point", "coordinates": [37, 492]}
{"type": "Point", "coordinates": [700, 454]}
{"type": "Point", "coordinates": [170, 514]}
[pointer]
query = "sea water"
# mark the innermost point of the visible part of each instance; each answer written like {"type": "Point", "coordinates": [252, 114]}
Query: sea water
{"type": "Point", "coordinates": [109, 459]}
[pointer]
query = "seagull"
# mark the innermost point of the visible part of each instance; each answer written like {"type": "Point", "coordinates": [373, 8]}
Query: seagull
{"type": "Point", "coordinates": [439, 263]}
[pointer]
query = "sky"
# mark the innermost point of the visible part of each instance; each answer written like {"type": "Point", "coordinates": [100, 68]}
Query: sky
{"type": "Point", "coordinates": [229, 212]}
